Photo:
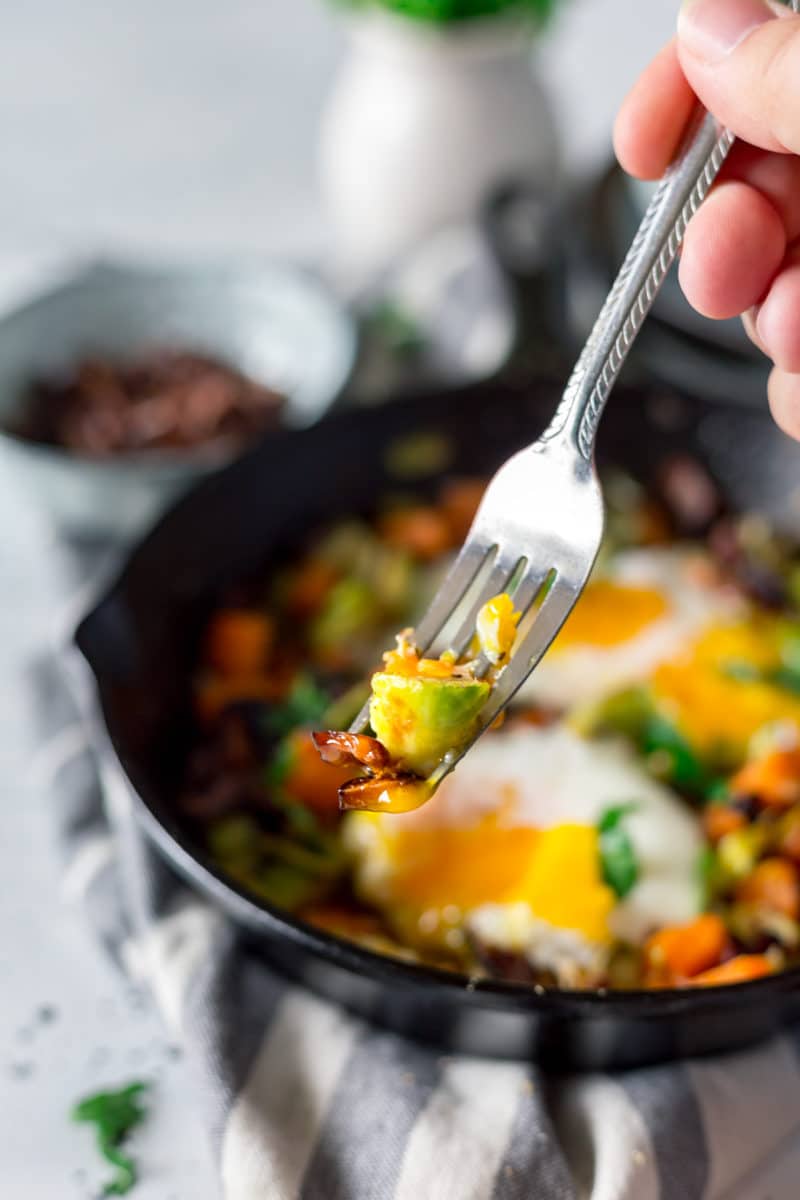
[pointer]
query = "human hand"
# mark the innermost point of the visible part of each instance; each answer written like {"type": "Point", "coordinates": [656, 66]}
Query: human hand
{"type": "Point", "coordinates": [741, 252]}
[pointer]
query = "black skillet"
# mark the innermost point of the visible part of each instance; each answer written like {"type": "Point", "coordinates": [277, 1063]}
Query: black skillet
{"type": "Point", "coordinates": [141, 638]}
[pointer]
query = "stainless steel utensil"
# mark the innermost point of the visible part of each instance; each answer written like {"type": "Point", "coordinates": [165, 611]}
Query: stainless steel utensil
{"type": "Point", "coordinates": [538, 529]}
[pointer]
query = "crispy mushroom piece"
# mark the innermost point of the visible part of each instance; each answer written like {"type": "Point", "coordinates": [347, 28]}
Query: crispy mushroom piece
{"type": "Point", "coordinates": [394, 792]}
{"type": "Point", "coordinates": [342, 749]}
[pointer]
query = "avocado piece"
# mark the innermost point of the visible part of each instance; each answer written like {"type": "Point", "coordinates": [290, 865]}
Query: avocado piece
{"type": "Point", "coordinates": [419, 719]}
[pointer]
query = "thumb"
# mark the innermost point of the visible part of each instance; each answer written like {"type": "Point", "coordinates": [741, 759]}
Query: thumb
{"type": "Point", "coordinates": [742, 57]}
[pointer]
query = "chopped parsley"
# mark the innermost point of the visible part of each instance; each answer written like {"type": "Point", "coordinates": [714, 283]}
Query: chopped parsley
{"type": "Point", "coordinates": [114, 1114]}
{"type": "Point", "coordinates": [305, 705]}
{"type": "Point", "coordinates": [618, 862]}
{"type": "Point", "coordinates": [661, 742]}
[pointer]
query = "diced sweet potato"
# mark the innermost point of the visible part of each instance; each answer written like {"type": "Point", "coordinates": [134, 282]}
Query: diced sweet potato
{"type": "Point", "coordinates": [310, 587]}
{"type": "Point", "coordinates": [423, 531]}
{"type": "Point", "coordinates": [789, 835]}
{"type": "Point", "coordinates": [773, 884]}
{"type": "Point", "coordinates": [459, 502]}
{"type": "Point", "coordinates": [721, 819]}
{"type": "Point", "coordinates": [310, 780]}
{"type": "Point", "coordinates": [735, 970]}
{"type": "Point", "coordinates": [678, 952]}
{"type": "Point", "coordinates": [239, 641]}
{"type": "Point", "coordinates": [773, 779]}
{"type": "Point", "coordinates": [215, 693]}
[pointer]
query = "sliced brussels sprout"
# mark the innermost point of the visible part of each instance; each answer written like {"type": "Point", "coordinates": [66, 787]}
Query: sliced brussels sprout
{"type": "Point", "coordinates": [420, 719]}
{"type": "Point", "coordinates": [350, 609]}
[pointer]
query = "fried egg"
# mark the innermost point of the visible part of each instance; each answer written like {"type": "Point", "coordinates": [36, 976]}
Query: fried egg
{"type": "Point", "coordinates": [718, 689]}
{"type": "Point", "coordinates": [645, 607]}
{"type": "Point", "coordinates": [508, 851]}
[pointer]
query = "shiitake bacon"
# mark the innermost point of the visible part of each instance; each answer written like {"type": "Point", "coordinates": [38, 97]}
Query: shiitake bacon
{"type": "Point", "coordinates": [344, 749]}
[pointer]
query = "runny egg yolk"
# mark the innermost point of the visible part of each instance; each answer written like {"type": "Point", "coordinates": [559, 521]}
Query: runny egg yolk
{"type": "Point", "coordinates": [555, 871]}
{"type": "Point", "coordinates": [714, 707]}
{"type": "Point", "coordinates": [609, 614]}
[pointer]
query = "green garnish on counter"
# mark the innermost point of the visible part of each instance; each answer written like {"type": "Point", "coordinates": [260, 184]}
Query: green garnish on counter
{"type": "Point", "coordinates": [115, 1115]}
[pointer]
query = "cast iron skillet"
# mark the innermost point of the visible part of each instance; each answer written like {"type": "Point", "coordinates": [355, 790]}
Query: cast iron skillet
{"type": "Point", "coordinates": [141, 637]}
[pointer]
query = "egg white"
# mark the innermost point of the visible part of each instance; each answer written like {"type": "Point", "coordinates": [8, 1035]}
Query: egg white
{"type": "Point", "coordinates": [542, 778]}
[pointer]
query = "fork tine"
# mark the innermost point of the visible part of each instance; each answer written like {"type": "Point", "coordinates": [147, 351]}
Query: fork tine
{"type": "Point", "coordinates": [554, 611]}
{"type": "Point", "coordinates": [457, 582]}
{"type": "Point", "coordinates": [555, 608]}
{"type": "Point", "coordinates": [503, 570]}
{"type": "Point", "coordinates": [528, 588]}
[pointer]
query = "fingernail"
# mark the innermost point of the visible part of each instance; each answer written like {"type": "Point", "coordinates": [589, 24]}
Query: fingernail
{"type": "Point", "coordinates": [711, 29]}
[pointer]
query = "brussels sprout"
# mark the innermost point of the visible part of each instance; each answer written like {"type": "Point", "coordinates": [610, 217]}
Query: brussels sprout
{"type": "Point", "coordinates": [285, 886]}
{"type": "Point", "coordinates": [351, 611]}
{"type": "Point", "coordinates": [738, 852]}
{"type": "Point", "coordinates": [626, 712]}
{"type": "Point", "coordinates": [419, 719]}
{"type": "Point", "coordinates": [235, 841]}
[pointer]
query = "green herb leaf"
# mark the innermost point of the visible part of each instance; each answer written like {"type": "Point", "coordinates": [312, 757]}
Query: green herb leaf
{"type": "Point", "coordinates": [401, 333]}
{"type": "Point", "coordinates": [114, 1114]}
{"type": "Point", "coordinates": [683, 769]}
{"type": "Point", "coordinates": [612, 816]}
{"type": "Point", "coordinates": [786, 678]}
{"type": "Point", "coordinates": [300, 820]}
{"type": "Point", "coordinates": [618, 862]}
{"type": "Point", "coordinates": [279, 766]}
{"type": "Point", "coordinates": [304, 705]}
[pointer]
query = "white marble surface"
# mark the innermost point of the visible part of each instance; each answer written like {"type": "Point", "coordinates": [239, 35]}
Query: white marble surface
{"type": "Point", "coordinates": [185, 128]}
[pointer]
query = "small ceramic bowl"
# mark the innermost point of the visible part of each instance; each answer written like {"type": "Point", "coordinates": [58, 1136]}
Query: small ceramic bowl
{"type": "Point", "coordinates": [273, 322]}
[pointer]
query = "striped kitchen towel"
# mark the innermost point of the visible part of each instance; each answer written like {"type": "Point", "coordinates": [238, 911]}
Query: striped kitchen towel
{"type": "Point", "coordinates": [303, 1100]}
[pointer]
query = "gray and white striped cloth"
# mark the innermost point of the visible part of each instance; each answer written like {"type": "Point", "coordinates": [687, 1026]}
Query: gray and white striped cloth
{"type": "Point", "coordinates": [305, 1101]}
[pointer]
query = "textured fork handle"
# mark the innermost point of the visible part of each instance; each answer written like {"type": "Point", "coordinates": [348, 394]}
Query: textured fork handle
{"type": "Point", "coordinates": [680, 193]}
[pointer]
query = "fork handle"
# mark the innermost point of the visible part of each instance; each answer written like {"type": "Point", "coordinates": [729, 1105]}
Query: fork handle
{"type": "Point", "coordinates": [682, 190]}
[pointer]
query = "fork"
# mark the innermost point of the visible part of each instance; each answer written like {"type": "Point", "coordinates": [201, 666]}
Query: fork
{"type": "Point", "coordinates": [538, 529]}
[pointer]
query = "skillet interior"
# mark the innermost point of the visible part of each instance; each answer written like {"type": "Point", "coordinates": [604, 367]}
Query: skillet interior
{"type": "Point", "coordinates": [141, 638]}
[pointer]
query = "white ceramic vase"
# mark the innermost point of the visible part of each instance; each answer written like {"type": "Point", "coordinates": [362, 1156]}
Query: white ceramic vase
{"type": "Point", "coordinates": [422, 123]}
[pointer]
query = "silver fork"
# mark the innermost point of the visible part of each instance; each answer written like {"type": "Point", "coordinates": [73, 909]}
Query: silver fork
{"type": "Point", "coordinates": [538, 529]}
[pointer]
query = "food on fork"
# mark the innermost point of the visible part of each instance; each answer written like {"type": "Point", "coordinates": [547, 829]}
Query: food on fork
{"type": "Point", "coordinates": [421, 710]}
